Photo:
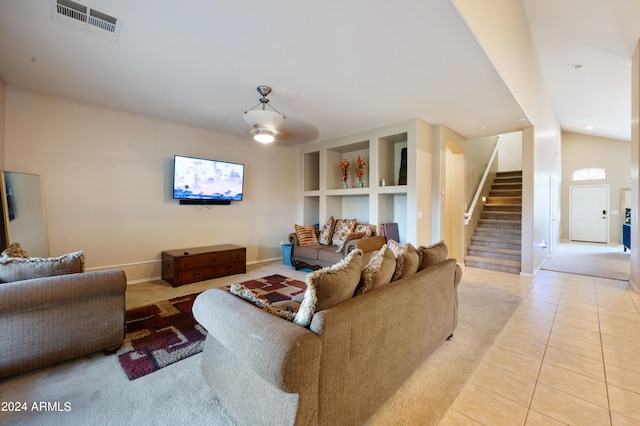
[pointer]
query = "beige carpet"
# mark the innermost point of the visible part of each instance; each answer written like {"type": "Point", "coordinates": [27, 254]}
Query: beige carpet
{"type": "Point", "coordinates": [598, 260]}
{"type": "Point", "coordinates": [98, 392]}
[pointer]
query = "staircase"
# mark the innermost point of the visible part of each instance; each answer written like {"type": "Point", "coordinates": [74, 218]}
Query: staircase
{"type": "Point", "coordinates": [496, 242]}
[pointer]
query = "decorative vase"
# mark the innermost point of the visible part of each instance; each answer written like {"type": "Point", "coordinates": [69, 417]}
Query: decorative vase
{"type": "Point", "coordinates": [344, 184]}
{"type": "Point", "coordinates": [360, 184]}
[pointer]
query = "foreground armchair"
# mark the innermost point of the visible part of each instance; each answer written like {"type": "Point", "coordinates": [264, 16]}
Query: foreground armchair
{"type": "Point", "coordinates": [55, 318]}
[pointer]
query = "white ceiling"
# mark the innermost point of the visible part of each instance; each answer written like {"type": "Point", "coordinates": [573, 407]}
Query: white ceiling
{"type": "Point", "coordinates": [335, 67]}
{"type": "Point", "coordinates": [600, 36]}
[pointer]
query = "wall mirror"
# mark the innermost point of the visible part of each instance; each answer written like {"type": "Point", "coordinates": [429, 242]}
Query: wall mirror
{"type": "Point", "coordinates": [23, 213]}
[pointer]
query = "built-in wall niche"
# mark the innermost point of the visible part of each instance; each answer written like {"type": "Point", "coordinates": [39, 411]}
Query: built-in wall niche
{"type": "Point", "coordinates": [311, 210]}
{"type": "Point", "coordinates": [311, 170]}
{"type": "Point", "coordinates": [392, 208]}
{"type": "Point", "coordinates": [349, 152]}
{"type": "Point", "coordinates": [389, 158]}
{"type": "Point", "coordinates": [348, 207]}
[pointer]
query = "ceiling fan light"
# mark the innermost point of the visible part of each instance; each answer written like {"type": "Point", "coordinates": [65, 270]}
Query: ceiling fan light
{"type": "Point", "coordinates": [263, 135]}
{"type": "Point", "coordinates": [263, 118]}
{"type": "Point", "coordinates": [264, 121]}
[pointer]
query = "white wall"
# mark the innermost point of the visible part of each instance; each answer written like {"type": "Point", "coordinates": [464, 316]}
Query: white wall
{"type": "Point", "coordinates": [584, 151]}
{"type": "Point", "coordinates": [635, 166]}
{"type": "Point", "coordinates": [477, 154]}
{"type": "Point", "coordinates": [107, 177]}
{"type": "Point", "coordinates": [510, 152]}
{"type": "Point", "coordinates": [505, 36]}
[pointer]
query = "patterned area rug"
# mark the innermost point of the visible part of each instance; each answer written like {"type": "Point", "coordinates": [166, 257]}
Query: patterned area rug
{"type": "Point", "coordinates": [276, 287]}
{"type": "Point", "coordinates": [166, 332]}
{"type": "Point", "coordinates": [159, 335]}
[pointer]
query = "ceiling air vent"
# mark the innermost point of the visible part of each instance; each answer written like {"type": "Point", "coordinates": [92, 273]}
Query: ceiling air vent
{"type": "Point", "coordinates": [86, 17]}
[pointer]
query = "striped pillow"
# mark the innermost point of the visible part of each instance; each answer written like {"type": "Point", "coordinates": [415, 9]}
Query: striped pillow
{"type": "Point", "coordinates": [307, 235]}
{"type": "Point", "coordinates": [326, 233]}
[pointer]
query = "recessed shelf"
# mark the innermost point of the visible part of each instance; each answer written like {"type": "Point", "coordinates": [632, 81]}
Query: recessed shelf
{"type": "Point", "coordinates": [349, 152]}
{"type": "Point", "coordinates": [323, 194]}
{"type": "Point", "coordinates": [311, 170]}
{"type": "Point", "coordinates": [389, 156]}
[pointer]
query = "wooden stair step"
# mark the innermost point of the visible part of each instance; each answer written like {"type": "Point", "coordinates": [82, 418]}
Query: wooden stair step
{"type": "Point", "coordinates": [500, 224]}
{"type": "Point", "coordinates": [505, 243]}
{"type": "Point", "coordinates": [495, 252]}
{"type": "Point", "coordinates": [504, 200]}
{"type": "Point", "coordinates": [503, 207]}
{"type": "Point", "coordinates": [512, 234]}
{"type": "Point", "coordinates": [502, 265]}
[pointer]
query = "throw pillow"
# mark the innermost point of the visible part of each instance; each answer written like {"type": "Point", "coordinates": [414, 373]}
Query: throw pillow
{"type": "Point", "coordinates": [329, 286]}
{"type": "Point", "coordinates": [378, 271]}
{"type": "Point", "coordinates": [432, 254]}
{"type": "Point", "coordinates": [307, 235]}
{"type": "Point", "coordinates": [342, 229]}
{"type": "Point", "coordinates": [350, 236]}
{"type": "Point", "coordinates": [407, 259]}
{"type": "Point", "coordinates": [326, 233]}
{"type": "Point", "coordinates": [14, 250]}
{"type": "Point", "coordinates": [399, 251]}
{"type": "Point", "coordinates": [18, 269]}
{"type": "Point", "coordinates": [260, 301]}
{"type": "Point", "coordinates": [365, 229]}
{"type": "Point", "coordinates": [411, 261]}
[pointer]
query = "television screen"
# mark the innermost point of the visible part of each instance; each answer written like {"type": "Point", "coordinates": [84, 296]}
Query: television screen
{"type": "Point", "coordinates": [202, 179]}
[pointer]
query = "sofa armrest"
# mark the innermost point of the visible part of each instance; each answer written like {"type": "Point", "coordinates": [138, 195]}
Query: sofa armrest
{"type": "Point", "coordinates": [293, 239]}
{"type": "Point", "coordinates": [281, 352]}
{"type": "Point", "coordinates": [365, 244]}
{"type": "Point", "coordinates": [37, 293]}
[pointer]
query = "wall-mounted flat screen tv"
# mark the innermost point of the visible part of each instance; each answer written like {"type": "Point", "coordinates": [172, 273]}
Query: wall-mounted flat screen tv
{"type": "Point", "coordinates": [207, 180]}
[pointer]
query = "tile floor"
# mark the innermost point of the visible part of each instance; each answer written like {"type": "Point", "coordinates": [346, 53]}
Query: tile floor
{"type": "Point", "coordinates": [569, 355]}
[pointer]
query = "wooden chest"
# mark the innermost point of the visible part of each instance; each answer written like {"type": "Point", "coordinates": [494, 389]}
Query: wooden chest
{"type": "Point", "coordinates": [203, 263]}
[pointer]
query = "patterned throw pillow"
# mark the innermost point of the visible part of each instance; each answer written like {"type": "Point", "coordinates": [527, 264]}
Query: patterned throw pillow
{"type": "Point", "coordinates": [407, 259]}
{"type": "Point", "coordinates": [326, 233]}
{"type": "Point", "coordinates": [342, 229]}
{"type": "Point", "coordinates": [329, 286]}
{"type": "Point", "coordinates": [399, 251]}
{"type": "Point", "coordinates": [365, 229]}
{"type": "Point", "coordinates": [18, 269]}
{"type": "Point", "coordinates": [432, 254]}
{"type": "Point", "coordinates": [14, 250]}
{"type": "Point", "coordinates": [307, 235]}
{"type": "Point", "coordinates": [350, 236]}
{"type": "Point", "coordinates": [378, 271]}
{"type": "Point", "coordinates": [245, 293]}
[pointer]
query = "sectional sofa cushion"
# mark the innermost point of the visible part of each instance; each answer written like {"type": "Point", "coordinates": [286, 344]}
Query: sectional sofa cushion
{"type": "Point", "coordinates": [19, 269]}
{"type": "Point", "coordinates": [329, 286]}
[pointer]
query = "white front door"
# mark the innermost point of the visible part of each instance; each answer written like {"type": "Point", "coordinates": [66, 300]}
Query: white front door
{"type": "Point", "coordinates": [589, 213]}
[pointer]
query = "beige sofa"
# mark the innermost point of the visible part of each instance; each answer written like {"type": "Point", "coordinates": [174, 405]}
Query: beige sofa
{"type": "Point", "coordinates": [51, 319]}
{"type": "Point", "coordinates": [320, 256]}
{"type": "Point", "coordinates": [266, 370]}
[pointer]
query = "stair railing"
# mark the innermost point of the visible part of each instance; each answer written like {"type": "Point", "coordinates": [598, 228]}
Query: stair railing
{"type": "Point", "coordinates": [472, 207]}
